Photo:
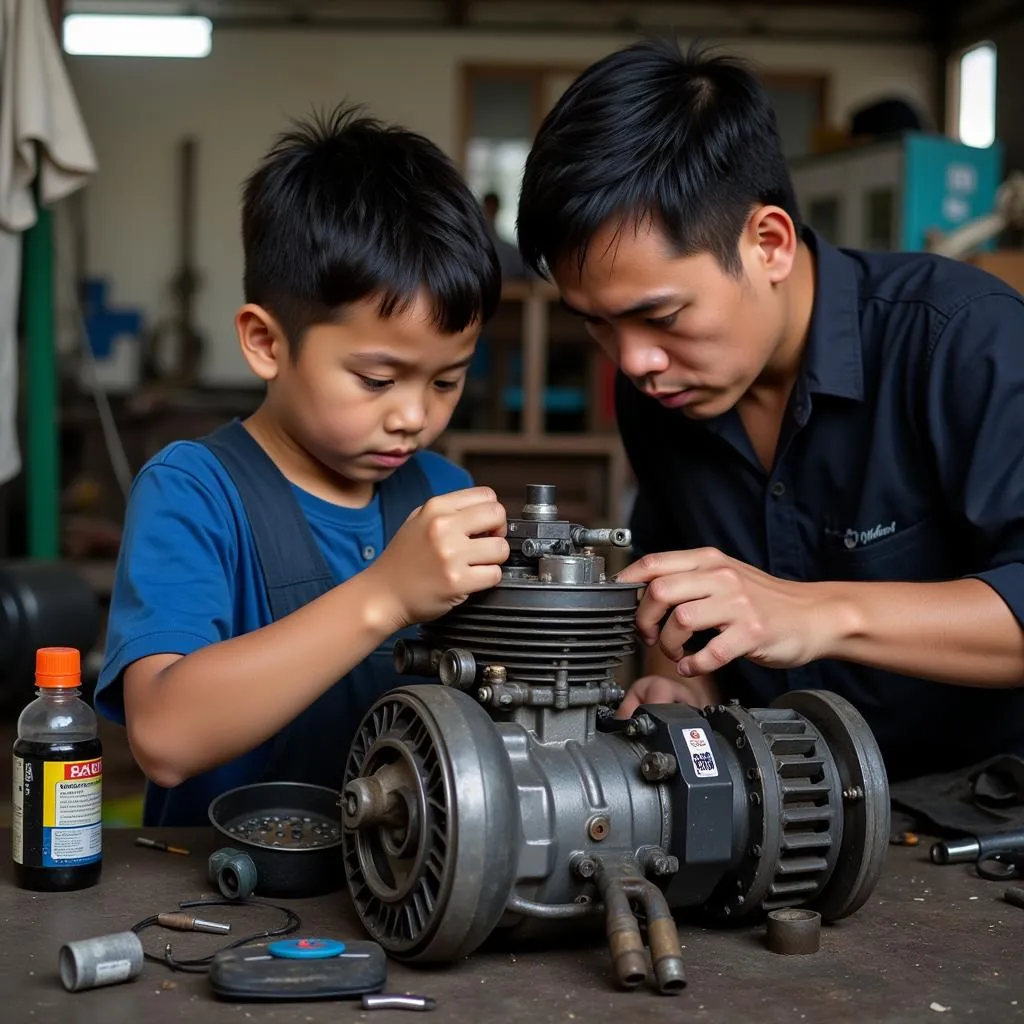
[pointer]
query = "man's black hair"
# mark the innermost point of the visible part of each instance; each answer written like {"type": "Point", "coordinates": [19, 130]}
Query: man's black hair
{"type": "Point", "coordinates": [344, 208]}
{"type": "Point", "coordinates": [649, 132]}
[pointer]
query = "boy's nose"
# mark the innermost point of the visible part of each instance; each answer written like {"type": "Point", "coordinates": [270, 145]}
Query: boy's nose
{"type": "Point", "coordinates": [407, 417]}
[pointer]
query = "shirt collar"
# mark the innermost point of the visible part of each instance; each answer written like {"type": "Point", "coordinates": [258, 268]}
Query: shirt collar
{"type": "Point", "coordinates": [833, 362]}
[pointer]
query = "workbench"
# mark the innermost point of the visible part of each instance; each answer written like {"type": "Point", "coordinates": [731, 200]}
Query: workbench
{"type": "Point", "coordinates": [932, 944]}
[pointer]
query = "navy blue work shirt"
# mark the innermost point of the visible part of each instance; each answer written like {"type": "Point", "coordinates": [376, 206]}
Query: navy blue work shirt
{"type": "Point", "coordinates": [901, 457]}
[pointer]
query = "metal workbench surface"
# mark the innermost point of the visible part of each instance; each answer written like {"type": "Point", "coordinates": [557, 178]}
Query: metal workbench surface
{"type": "Point", "coordinates": [932, 944]}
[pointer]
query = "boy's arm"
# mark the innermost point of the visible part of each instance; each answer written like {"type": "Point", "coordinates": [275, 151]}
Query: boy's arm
{"type": "Point", "coordinates": [188, 713]}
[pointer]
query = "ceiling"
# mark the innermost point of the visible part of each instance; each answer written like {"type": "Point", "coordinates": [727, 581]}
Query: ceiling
{"type": "Point", "coordinates": [867, 20]}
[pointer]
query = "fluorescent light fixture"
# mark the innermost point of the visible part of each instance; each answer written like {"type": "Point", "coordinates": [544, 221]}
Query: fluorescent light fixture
{"type": "Point", "coordinates": [137, 35]}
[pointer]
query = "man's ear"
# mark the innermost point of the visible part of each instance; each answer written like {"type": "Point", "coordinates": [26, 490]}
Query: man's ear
{"type": "Point", "coordinates": [772, 234]}
{"type": "Point", "coordinates": [262, 341]}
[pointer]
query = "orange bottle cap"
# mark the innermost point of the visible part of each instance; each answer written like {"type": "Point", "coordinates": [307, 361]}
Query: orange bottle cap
{"type": "Point", "coordinates": [58, 667]}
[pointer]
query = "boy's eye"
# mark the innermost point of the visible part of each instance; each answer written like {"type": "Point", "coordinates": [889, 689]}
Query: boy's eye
{"type": "Point", "coordinates": [446, 385]}
{"type": "Point", "coordinates": [373, 383]}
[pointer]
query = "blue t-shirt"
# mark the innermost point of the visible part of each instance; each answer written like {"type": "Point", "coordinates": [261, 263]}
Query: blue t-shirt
{"type": "Point", "coordinates": [188, 576]}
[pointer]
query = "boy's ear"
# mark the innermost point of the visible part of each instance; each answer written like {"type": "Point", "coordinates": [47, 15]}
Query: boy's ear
{"type": "Point", "coordinates": [262, 341]}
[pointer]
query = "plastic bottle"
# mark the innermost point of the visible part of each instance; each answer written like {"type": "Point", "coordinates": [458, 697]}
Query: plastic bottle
{"type": "Point", "coordinates": [58, 780]}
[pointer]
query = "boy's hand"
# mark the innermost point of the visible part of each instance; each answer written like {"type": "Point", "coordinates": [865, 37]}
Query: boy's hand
{"type": "Point", "coordinates": [447, 549]}
{"type": "Point", "coordinates": [660, 690]}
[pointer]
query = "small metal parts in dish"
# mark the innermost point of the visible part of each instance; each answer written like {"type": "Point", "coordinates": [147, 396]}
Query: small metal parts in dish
{"type": "Point", "coordinates": [794, 932]}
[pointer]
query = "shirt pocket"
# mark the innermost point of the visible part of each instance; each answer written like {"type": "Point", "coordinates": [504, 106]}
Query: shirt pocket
{"type": "Point", "coordinates": [918, 553]}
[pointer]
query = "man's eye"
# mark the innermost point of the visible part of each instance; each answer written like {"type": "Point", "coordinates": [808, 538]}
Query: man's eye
{"type": "Point", "coordinates": [373, 383]}
{"type": "Point", "coordinates": [662, 321]}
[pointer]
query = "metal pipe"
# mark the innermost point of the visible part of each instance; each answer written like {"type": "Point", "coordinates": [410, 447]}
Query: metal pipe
{"type": "Point", "coordinates": [619, 883]}
{"type": "Point", "coordinates": [624, 942]}
{"type": "Point", "coordinates": [549, 911]}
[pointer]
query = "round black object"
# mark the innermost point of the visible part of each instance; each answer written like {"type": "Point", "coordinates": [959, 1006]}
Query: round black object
{"type": "Point", "coordinates": [290, 830]}
{"type": "Point", "coordinates": [43, 604]}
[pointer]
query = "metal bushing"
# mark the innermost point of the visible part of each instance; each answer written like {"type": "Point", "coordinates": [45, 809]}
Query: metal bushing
{"type": "Point", "coordinates": [794, 931]}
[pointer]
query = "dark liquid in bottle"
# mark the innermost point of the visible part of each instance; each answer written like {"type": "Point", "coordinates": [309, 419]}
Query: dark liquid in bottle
{"type": "Point", "coordinates": [31, 875]}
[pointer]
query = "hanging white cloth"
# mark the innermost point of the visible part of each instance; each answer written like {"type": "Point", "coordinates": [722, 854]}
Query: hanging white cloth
{"type": "Point", "coordinates": [42, 136]}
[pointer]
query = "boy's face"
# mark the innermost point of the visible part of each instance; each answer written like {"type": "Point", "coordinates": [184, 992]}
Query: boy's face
{"type": "Point", "coordinates": [364, 394]}
{"type": "Point", "coordinates": [683, 329]}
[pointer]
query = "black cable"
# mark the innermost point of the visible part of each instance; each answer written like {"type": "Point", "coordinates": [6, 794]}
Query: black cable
{"type": "Point", "coordinates": [198, 965]}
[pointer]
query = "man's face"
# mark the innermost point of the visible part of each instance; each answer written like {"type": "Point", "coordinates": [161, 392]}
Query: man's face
{"type": "Point", "coordinates": [364, 394]}
{"type": "Point", "coordinates": [683, 329]}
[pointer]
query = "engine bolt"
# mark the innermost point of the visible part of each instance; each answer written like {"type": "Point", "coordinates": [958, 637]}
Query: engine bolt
{"type": "Point", "coordinates": [642, 725]}
{"type": "Point", "coordinates": [598, 828]}
{"type": "Point", "coordinates": [484, 694]}
{"type": "Point", "coordinates": [663, 864]}
{"type": "Point", "coordinates": [495, 674]}
{"type": "Point", "coordinates": [656, 766]}
{"type": "Point", "coordinates": [505, 699]}
{"type": "Point", "coordinates": [584, 867]}
{"type": "Point", "coordinates": [755, 850]}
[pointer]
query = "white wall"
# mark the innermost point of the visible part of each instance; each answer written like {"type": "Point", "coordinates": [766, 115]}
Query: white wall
{"type": "Point", "coordinates": [238, 98]}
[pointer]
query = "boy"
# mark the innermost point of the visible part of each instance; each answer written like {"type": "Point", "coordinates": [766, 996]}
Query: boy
{"type": "Point", "coordinates": [829, 445]}
{"type": "Point", "coordinates": [256, 597]}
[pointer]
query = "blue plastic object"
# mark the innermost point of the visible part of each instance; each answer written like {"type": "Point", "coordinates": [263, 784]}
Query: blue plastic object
{"type": "Point", "coordinates": [306, 949]}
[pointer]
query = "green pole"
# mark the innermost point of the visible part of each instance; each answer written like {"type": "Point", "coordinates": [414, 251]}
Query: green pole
{"type": "Point", "coordinates": [41, 454]}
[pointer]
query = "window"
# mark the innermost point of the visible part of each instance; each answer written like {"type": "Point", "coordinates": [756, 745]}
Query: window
{"type": "Point", "coordinates": [975, 96]}
{"type": "Point", "coordinates": [503, 106]}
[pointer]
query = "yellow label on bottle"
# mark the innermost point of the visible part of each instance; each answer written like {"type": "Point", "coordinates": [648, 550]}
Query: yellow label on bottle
{"type": "Point", "coordinates": [72, 811]}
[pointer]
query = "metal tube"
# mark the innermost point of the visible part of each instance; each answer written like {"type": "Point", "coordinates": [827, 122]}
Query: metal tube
{"type": "Point", "coordinates": [624, 942]}
{"type": "Point", "coordinates": [662, 936]}
{"type": "Point", "coordinates": [549, 911]}
{"type": "Point", "coordinates": [620, 882]}
{"type": "Point", "coordinates": [99, 961]}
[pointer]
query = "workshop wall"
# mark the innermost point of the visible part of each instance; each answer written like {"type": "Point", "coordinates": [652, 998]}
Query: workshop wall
{"type": "Point", "coordinates": [235, 101]}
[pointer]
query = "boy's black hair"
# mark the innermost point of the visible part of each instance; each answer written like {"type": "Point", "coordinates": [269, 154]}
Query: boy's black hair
{"type": "Point", "coordinates": [344, 208]}
{"type": "Point", "coordinates": [687, 139]}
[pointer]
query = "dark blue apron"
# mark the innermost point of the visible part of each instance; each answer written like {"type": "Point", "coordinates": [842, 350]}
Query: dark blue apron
{"type": "Point", "coordinates": [314, 747]}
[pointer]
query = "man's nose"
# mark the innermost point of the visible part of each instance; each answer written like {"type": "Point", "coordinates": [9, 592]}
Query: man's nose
{"type": "Point", "coordinates": [639, 356]}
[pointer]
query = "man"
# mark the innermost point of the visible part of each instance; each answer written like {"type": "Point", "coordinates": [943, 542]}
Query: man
{"type": "Point", "coordinates": [829, 445]}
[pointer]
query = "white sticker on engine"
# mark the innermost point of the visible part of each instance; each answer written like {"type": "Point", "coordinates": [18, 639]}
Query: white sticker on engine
{"type": "Point", "coordinates": [700, 754]}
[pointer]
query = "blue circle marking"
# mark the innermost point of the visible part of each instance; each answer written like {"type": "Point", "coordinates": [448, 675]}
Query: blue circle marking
{"type": "Point", "coordinates": [306, 949]}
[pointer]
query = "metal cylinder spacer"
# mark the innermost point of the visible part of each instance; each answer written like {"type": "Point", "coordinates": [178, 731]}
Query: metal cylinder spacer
{"type": "Point", "coordinates": [794, 931]}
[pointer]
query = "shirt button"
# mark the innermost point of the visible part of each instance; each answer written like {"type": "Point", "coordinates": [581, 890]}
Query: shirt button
{"type": "Point", "coordinates": [778, 489]}
{"type": "Point", "coordinates": [369, 551]}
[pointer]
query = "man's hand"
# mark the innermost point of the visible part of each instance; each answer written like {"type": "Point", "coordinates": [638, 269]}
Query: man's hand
{"type": "Point", "coordinates": [773, 622]}
{"type": "Point", "coordinates": [447, 549]}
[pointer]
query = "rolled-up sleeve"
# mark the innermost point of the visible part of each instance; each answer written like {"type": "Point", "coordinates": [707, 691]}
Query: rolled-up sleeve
{"type": "Point", "coordinates": [975, 411]}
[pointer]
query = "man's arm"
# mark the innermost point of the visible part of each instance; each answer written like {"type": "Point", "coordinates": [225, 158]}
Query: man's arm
{"type": "Point", "coordinates": [966, 631]}
{"type": "Point", "coordinates": [957, 632]}
{"type": "Point", "coordinates": [188, 713]}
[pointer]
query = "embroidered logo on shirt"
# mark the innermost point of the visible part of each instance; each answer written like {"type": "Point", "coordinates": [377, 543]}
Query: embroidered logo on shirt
{"type": "Point", "coordinates": [852, 538]}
